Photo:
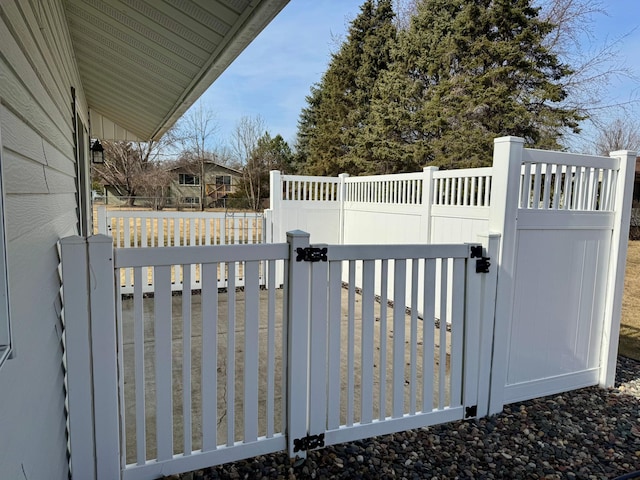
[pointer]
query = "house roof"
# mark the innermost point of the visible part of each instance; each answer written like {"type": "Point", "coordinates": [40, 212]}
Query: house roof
{"type": "Point", "coordinates": [208, 162]}
{"type": "Point", "coordinates": [143, 63]}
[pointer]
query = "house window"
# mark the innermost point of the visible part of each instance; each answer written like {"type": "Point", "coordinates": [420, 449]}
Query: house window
{"type": "Point", "coordinates": [190, 200]}
{"type": "Point", "coordinates": [224, 181]}
{"type": "Point", "coordinates": [188, 179]}
{"type": "Point", "coordinates": [5, 327]}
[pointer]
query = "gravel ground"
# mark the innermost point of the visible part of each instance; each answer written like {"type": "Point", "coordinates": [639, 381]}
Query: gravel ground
{"type": "Point", "coordinates": [591, 433]}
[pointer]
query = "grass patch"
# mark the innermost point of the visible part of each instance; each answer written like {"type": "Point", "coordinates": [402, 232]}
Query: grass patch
{"type": "Point", "coordinates": [629, 345]}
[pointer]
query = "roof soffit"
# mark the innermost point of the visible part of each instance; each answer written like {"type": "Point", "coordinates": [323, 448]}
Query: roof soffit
{"type": "Point", "coordinates": [143, 63]}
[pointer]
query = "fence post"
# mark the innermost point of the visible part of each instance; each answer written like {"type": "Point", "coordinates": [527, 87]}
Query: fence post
{"type": "Point", "coordinates": [104, 345]}
{"type": "Point", "coordinates": [103, 226]}
{"type": "Point", "coordinates": [75, 284]}
{"type": "Point", "coordinates": [342, 197]}
{"type": "Point", "coordinates": [505, 185]}
{"type": "Point", "coordinates": [298, 342]}
{"type": "Point", "coordinates": [427, 199]}
{"type": "Point", "coordinates": [617, 263]}
{"type": "Point", "coordinates": [275, 204]}
{"type": "Point", "coordinates": [491, 243]}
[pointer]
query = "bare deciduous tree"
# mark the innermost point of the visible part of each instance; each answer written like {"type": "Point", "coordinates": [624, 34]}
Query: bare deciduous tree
{"type": "Point", "coordinates": [618, 135]}
{"type": "Point", "coordinates": [404, 10]}
{"type": "Point", "coordinates": [596, 63]}
{"type": "Point", "coordinates": [126, 164]}
{"type": "Point", "coordinates": [154, 185]}
{"type": "Point", "coordinates": [197, 128]}
{"type": "Point", "coordinates": [244, 144]}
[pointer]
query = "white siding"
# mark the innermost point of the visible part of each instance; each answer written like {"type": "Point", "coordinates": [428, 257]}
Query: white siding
{"type": "Point", "coordinates": [37, 72]}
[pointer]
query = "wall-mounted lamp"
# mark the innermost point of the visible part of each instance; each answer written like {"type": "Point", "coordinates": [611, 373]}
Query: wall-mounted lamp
{"type": "Point", "coordinates": [97, 152]}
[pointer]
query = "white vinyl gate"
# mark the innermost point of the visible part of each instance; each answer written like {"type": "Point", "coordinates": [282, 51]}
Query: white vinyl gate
{"type": "Point", "coordinates": [360, 341]}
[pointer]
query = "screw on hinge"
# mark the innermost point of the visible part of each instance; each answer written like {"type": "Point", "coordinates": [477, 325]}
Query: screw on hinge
{"type": "Point", "coordinates": [471, 412]}
{"type": "Point", "coordinates": [482, 265]}
{"type": "Point", "coordinates": [309, 442]}
{"type": "Point", "coordinates": [311, 254]}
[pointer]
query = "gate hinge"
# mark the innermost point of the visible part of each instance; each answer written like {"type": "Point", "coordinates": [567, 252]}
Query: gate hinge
{"type": "Point", "coordinates": [471, 412]}
{"type": "Point", "coordinates": [482, 263]}
{"type": "Point", "coordinates": [311, 254]}
{"type": "Point", "coordinates": [309, 442]}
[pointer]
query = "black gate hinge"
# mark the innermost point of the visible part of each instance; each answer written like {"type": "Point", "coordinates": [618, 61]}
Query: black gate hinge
{"type": "Point", "coordinates": [482, 263]}
{"type": "Point", "coordinates": [309, 442]}
{"type": "Point", "coordinates": [471, 412]}
{"type": "Point", "coordinates": [311, 254]}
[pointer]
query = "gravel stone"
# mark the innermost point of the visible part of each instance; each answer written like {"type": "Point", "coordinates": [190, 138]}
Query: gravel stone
{"type": "Point", "coordinates": [591, 433]}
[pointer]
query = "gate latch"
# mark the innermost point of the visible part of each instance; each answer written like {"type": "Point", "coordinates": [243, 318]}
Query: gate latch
{"type": "Point", "coordinates": [311, 254]}
{"type": "Point", "coordinates": [309, 442]}
{"type": "Point", "coordinates": [482, 263]}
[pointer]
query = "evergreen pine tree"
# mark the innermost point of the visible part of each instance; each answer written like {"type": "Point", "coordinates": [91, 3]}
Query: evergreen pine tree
{"type": "Point", "coordinates": [464, 72]}
{"type": "Point", "coordinates": [337, 110]}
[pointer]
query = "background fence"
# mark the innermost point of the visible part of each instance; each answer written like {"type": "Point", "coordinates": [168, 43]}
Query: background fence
{"type": "Point", "coordinates": [136, 228]}
{"type": "Point", "coordinates": [563, 220]}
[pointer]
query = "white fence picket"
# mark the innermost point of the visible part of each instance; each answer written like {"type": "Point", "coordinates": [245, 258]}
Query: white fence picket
{"type": "Point", "coordinates": [209, 382]}
{"type": "Point", "coordinates": [163, 363]}
{"type": "Point", "coordinates": [251, 357]}
{"type": "Point", "coordinates": [139, 342]}
{"type": "Point", "coordinates": [428, 339]}
{"type": "Point", "coordinates": [186, 361]}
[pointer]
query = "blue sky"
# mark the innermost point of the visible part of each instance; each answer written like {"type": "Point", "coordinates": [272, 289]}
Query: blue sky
{"type": "Point", "coordinates": [274, 74]}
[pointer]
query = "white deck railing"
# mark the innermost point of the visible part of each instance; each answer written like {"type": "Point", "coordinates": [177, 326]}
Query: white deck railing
{"type": "Point", "coordinates": [136, 228]}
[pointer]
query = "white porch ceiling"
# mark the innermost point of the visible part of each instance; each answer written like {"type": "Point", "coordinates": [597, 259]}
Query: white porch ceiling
{"type": "Point", "coordinates": [143, 63]}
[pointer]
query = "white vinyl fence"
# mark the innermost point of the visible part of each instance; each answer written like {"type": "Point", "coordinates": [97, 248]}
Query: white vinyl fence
{"type": "Point", "coordinates": [425, 298]}
{"type": "Point", "coordinates": [140, 228]}
{"type": "Point", "coordinates": [563, 220]}
{"type": "Point", "coordinates": [239, 373]}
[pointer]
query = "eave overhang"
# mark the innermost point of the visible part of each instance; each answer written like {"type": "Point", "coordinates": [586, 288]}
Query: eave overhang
{"type": "Point", "coordinates": [143, 63]}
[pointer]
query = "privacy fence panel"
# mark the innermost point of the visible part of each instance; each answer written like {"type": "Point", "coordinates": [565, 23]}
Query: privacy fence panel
{"type": "Point", "coordinates": [564, 220]}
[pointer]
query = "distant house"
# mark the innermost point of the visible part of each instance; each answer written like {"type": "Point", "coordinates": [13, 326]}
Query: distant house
{"type": "Point", "coordinates": [219, 182]}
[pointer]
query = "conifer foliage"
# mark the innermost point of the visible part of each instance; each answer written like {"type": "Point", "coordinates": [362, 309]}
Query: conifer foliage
{"type": "Point", "coordinates": [437, 92]}
{"type": "Point", "coordinates": [338, 107]}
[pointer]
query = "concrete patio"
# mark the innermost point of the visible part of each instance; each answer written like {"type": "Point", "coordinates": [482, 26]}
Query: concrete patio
{"type": "Point", "coordinates": [222, 345]}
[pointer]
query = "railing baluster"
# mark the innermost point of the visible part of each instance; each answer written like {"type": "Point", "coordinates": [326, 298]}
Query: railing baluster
{"type": "Point", "coordinates": [271, 350]}
{"type": "Point", "coordinates": [413, 386]}
{"type": "Point", "coordinates": [399, 289]}
{"type": "Point", "coordinates": [442, 347]}
{"type": "Point", "coordinates": [251, 358]}
{"type": "Point", "coordinates": [428, 326]}
{"type": "Point", "coordinates": [163, 369]}
{"type": "Point", "coordinates": [335, 316]}
{"type": "Point", "coordinates": [230, 365]}
{"type": "Point", "coordinates": [382, 392]}
{"type": "Point", "coordinates": [186, 360]}
{"type": "Point", "coordinates": [367, 340]}
{"type": "Point", "coordinates": [351, 302]}
{"type": "Point", "coordinates": [139, 376]}
{"type": "Point", "coordinates": [209, 383]}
